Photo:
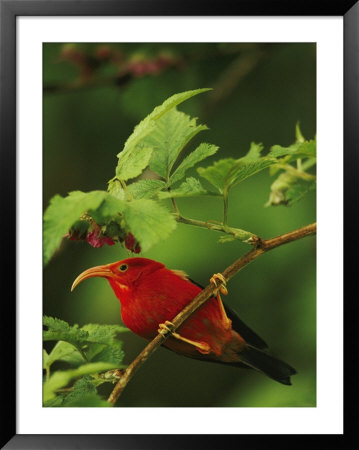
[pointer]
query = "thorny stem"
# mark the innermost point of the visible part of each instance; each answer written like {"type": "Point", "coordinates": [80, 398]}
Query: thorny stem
{"type": "Point", "coordinates": [262, 246]}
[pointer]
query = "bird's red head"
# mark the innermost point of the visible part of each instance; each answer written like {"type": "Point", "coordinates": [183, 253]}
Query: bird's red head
{"type": "Point", "coordinates": [122, 275]}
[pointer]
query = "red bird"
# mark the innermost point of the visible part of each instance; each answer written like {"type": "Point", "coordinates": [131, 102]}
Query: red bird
{"type": "Point", "coordinates": [152, 295]}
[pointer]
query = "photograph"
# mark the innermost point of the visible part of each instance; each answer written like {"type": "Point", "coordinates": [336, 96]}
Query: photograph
{"type": "Point", "coordinates": [179, 224]}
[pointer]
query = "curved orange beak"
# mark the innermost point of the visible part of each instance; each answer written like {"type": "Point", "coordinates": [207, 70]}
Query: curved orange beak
{"type": "Point", "coordinates": [98, 271]}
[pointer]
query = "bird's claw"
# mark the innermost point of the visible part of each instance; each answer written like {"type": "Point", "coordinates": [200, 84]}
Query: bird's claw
{"type": "Point", "coordinates": [165, 328]}
{"type": "Point", "coordinates": [218, 277]}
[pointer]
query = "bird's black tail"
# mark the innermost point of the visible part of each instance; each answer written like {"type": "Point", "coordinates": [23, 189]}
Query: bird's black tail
{"type": "Point", "coordinates": [269, 365]}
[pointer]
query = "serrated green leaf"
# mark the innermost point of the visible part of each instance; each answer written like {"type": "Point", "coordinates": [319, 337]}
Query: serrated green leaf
{"type": "Point", "coordinates": [62, 213]}
{"type": "Point", "coordinates": [298, 190]}
{"type": "Point", "coordinates": [136, 153]}
{"type": "Point", "coordinates": [203, 151]}
{"type": "Point", "coordinates": [82, 388]}
{"type": "Point", "coordinates": [59, 330]}
{"type": "Point", "coordinates": [103, 334]}
{"type": "Point", "coordinates": [289, 188]}
{"type": "Point", "coordinates": [149, 221]}
{"type": "Point", "coordinates": [226, 173]}
{"type": "Point", "coordinates": [93, 400]}
{"type": "Point", "coordinates": [110, 353]}
{"type": "Point", "coordinates": [189, 188]}
{"type": "Point", "coordinates": [61, 379]}
{"type": "Point", "coordinates": [55, 401]}
{"type": "Point", "coordinates": [306, 149]}
{"type": "Point", "coordinates": [45, 358]}
{"type": "Point", "coordinates": [61, 352]}
{"type": "Point", "coordinates": [216, 174]}
{"type": "Point", "coordinates": [173, 131]}
{"type": "Point", "coordinates": [254, 152]}
{"type": "Point", "coordinates": [110, 208]}
{"type": "Point", "coordinates": [243, 169]}
{"type": "Point", "coordinates": [131, 164]}
{"type": "Point", "coordinates": [115, 189]}
{"type": "Point", "coordinates": [94, 340]}
{"type": "Point", "coordinates": [145, 188]}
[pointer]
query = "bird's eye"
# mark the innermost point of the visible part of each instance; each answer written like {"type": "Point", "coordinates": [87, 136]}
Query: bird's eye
{"type": "Point", "coordinates": [123, 267]}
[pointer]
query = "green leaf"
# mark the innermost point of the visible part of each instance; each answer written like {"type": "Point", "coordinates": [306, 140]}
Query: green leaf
{"type": "Point", "coordinates": [110, 353]}
{"type": "Point", "coordinates": [45, 358]}
{"type": "Point", "coordinates": [110, 207]}
{"type": "Point", "coordinates": [226, 173]}
{"type": "Point", "coordinates": [298, 133]}
{"type": "Point", "coordinates": [243, 169]}
{"type": "Point", "coordinates": [62, 213]}
{"type": "Point", "coordinates": [61, 352]}
{"type": "Point", "coordinates": [173, 131]}
{"type": "Point", "coordinates": [306, 149]}
{"type": "Point", "coordinates": [145, 188]}
{"type": "Point", "coordinates": [84, 394]}
{"type": "Point", "coordinates": [299, 189]}
{"type": "Point", "coordinates": [89, 400]}
{"type": "Point", "coordinates": [134, 161]}
{"type": "Point", "coordinates": [98, 342]}
{"type": "Point", "coordinates": [289, 188]}
{"type": "Point", "coordinates": [189, 188]}
{"type": "Point", "coordinates": [135, 156]}
{"type": "Point", "coordinates": [59, 330]}
{"type": "Point", "coordinates": [254, 152]}
{"type": "Point", "coordinates": [103, 334]}
{"type": "Point", "coordinates": [201, 152]}
{"type": "Point", "coordinates": [217, 173]}
{"type": "Point", "coordinates": [61, 379]}
{"type": "Point", "coordinates": [55, 401]}
{"type": "Point", "coordinates": [148, 221]}
{"type": "Point", "coordinates": [115, 189]}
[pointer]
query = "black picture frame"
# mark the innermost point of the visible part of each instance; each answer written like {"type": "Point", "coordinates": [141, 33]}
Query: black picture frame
{"type": "Point", "coordinates": [9, 11]}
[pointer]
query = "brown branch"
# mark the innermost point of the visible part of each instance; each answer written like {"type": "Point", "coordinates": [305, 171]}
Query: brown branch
{"type": "Point", "coordinates": [263, 246]}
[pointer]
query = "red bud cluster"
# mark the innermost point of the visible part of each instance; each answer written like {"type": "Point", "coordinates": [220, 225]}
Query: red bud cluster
{"type": "Point", "coordinates": [96, 236]}
{"type": "Point", "coordinates": [131, 243]}
{"type": "Point", "coordinates": [153, 66]}
{"type": "Point", "coordinates": [128, 66]}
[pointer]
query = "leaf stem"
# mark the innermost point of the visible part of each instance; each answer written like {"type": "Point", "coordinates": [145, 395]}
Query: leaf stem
{"type": "Point", "coordinates": [83, 354]}
{"type": "Point", "coordinates": [242, 235]}
{"type": "Point", "coordinates": [297, 172]}
{"type": "Point", "coordinates": [225, 207]}
{"type": "Point", "coordinates": [128, 194]}
{"type": "Point", "coordinates": [262, 246]}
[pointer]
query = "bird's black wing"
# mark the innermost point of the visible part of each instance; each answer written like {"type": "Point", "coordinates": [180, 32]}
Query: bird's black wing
{"type": "Point", "coordinates": [238, 325]}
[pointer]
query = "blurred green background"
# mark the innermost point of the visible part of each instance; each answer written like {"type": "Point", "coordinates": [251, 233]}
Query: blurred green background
{"type": "Point", "coordinates": [94, 94]}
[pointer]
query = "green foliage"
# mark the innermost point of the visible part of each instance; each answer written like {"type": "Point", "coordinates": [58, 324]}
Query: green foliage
{"type": "Point", "coordinates": [63, 213]}
{"type": "Point", "coordinates": [145, 188]}
{"type": "Point", "coordinates": [157, 142]}
{"type": "Point", "coordinates": [226, 173]}
{"type": "Point", "coordinates": [139, 146]}
{"type": "Point", "coordinates": [89, 350]}
{"type": "Point", "coordinates": [293, 182]}
{"type": "Point", "coordinates": [189, 188]}
{"type": "Point", "coordinates": [149, 221]}
{"type": "Point", "coordinates": [202, 152]}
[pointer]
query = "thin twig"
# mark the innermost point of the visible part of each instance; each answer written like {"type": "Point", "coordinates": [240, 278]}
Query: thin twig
{"type": "Point", "coordinates": [263, 246]}
{"type": "Point", "coordinates": [242, 235]}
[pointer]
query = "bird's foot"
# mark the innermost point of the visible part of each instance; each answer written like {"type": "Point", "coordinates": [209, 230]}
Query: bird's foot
{"type": "Point", "coordinates": [219, 278]}
{"type": "Point", "coordinates": [221, 287]}
{"type": "Point", "coordinates": [165, 328]}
